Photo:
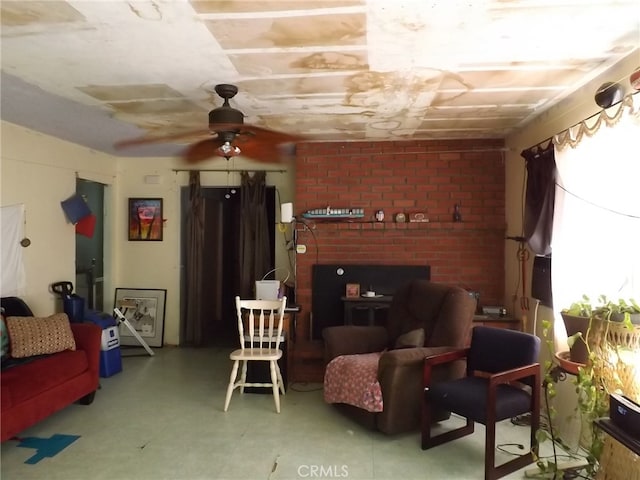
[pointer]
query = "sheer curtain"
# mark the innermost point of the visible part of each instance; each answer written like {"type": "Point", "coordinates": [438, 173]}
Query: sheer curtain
{"type": "Point", "coordinates": [596, 227]}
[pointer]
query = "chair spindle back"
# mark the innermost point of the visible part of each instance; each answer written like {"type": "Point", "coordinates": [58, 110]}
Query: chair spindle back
{"type": "Point", "coordinates": [260, 322]}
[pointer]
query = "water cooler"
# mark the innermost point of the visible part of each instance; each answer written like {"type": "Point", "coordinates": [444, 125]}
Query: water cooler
{"type": "Point", "coordinates": [110, 356]}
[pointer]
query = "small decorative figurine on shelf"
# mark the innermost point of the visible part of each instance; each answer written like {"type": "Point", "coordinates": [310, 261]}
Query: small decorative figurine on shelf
{"type": "Point", "coordinates": [380, 215]}
{"type": "Point", "coordinates": [457, 216]}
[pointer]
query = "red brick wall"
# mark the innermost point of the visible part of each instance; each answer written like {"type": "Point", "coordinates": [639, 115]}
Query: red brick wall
{"type": "Point", "coordinates": [429, 176]}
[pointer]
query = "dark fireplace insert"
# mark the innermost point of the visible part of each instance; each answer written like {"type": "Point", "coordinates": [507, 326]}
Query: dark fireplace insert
{"type": "Point", "coordinates": [329, 286]}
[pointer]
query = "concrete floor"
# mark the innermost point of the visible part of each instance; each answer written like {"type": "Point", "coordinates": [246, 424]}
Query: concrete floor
{"type": "Point", "coordinates": [162, 418]}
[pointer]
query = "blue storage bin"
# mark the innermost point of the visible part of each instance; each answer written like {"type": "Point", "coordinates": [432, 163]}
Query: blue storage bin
{"type": "Point", "coordinates": [110, 357]}
{"type": "Point", "coordinates": [110, 362]}
{"type": "Point", "coordinates": [103, 320]}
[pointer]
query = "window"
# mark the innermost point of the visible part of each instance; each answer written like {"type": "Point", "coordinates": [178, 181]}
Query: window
{"type": "Point", "coordinates": [596, 228]}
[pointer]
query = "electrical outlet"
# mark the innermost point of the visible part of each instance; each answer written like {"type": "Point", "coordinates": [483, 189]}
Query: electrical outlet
{"type": "Point", "coordinates": [301, 249]}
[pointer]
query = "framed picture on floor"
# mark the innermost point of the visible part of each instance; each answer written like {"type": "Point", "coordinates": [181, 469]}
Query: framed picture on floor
{"type": "Point", "coordinates": [144, 309]}
{"type": "Point", "coordinates": [145, 219]}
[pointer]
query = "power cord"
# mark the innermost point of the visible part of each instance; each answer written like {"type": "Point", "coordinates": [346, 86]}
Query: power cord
{"type": "Point", "coordinates": [315, 240]}
{"type": "Point", "coordinates": [501, 448]}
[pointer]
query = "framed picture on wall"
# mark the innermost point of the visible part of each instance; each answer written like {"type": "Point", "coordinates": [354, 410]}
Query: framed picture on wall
{"type": "Point", "coordinates": [144, 309]}
{"type": "Point", "coordinates": [145, 219]}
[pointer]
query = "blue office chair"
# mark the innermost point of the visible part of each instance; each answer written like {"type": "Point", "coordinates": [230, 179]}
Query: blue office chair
{"type": "Point", "coordinates": [502, 381]}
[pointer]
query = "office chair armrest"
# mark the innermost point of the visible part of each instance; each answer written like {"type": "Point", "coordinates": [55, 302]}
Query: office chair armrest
{"type": "Point", "coordinates": [515, 374]}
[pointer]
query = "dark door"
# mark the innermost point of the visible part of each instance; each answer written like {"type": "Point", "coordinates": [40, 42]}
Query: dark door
{"type": "Point", "coordinates": [221, 260]}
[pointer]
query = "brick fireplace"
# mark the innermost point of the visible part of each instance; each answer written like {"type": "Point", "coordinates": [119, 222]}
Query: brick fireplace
{"type": "Point", "coordinates": [404, 176]}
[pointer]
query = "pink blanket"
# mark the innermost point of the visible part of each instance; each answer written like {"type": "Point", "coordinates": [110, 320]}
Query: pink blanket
{"type": "Point", "coordinates": [353, 379]}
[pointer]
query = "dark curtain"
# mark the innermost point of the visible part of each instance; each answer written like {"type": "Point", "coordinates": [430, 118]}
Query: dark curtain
{"type": "Point", "coordinates": [192, 331]}
{"type": "Point", "coordinates": [539, 199]}
{"type": "Point", "coordinates": [254, 232]}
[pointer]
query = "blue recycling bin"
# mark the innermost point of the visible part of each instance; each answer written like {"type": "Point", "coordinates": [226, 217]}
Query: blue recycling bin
{"type": "Point", "coordinates": [110, 357]}
{"type": "Point", "coordinates": [73, 306]}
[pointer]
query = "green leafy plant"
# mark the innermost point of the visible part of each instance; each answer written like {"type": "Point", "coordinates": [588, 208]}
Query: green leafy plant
{"type": "Point", "coordinates": [585, 321]}
{"type": "Point", "coordinates": [605, 309]}
{"type": "Point", "coordinates": [591, 386]}
{"type": "Point", "coordinates": [550, 466]}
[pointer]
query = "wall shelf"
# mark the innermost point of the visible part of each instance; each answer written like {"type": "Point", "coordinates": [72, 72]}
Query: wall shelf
{"type": "Point", "coordinates": [351, 224]}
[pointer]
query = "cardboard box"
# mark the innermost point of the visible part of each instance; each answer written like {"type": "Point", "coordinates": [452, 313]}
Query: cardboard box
{"type": "Point", "coordinates": [267, 289]}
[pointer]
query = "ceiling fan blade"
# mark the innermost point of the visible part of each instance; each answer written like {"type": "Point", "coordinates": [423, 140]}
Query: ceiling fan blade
{"type": "Point", "coordinates": [267, 134]}
{"type": "Point", "coordinates": [261, 150]}
{"type": "Point", "coordinates": [162, 139]}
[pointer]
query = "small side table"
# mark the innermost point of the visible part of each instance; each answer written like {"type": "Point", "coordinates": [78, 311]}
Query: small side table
{"type": "Point", "coordinates": [370, 304]}
{"type": "Point", "coordinates": [497, 321]}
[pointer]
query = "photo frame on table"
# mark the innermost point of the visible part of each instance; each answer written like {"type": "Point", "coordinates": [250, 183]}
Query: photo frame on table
{"type": "Point", "coordinates": [144, 309]}
{"type": "Point", "coordinates": [145, 219]}
{"type": "Point", "coordinates": [352, 290]}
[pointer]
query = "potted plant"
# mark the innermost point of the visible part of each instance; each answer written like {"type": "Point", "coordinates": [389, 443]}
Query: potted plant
{"type": "Point", "coordinates": [598, 336]}
{"type": "Point", "coordinates": [592, 402]}
{"type": "Point", "coordinates": [580, 325]}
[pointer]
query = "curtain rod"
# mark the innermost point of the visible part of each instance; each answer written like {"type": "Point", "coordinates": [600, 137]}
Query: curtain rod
{"type": "Point", "coordinates": [228, 170]}
{"type": "Point", "coordinates": [621, 104]}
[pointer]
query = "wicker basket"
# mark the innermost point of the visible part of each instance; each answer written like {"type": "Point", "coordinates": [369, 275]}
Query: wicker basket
{"type": "Point", "coordinates": [619, 349]}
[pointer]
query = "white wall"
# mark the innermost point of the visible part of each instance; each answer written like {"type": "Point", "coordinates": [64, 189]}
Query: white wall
{"type": "Point", "coordinates": [40, 171]}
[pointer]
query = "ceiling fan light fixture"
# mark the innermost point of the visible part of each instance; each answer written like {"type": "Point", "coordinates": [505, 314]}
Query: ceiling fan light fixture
{"type": "Point", "coordinates": [227, 150]}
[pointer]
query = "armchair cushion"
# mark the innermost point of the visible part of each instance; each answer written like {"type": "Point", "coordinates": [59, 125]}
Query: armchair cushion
{"type": "Point", "coordinates": [414, 338]}
{"type": "Point", "coordinates": [351, 339]}
{"type": "Point", "coordinates": [468, 398]}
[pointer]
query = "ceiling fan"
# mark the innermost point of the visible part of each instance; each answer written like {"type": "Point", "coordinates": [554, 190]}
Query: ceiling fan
{"type": "Point", "coordinates": [228, 136]}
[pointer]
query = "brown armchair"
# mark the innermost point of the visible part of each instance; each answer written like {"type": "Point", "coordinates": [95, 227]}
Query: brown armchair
{"type": "Point", "coordinates": [444, 312]}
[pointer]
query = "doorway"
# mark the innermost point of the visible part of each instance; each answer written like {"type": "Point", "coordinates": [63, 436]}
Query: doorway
{"type": "Point", "coordinates": [221, 260]}
{"type": "Point", "coordinates": [89, 281]}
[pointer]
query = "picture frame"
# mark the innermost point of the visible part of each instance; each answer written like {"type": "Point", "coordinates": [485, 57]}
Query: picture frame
{"type": "Point", "coordinates": [145, 219]}
{"type": "Point", "coordinates": [352, 290]}
{"type": "Point", "coordinates": [144, 309]}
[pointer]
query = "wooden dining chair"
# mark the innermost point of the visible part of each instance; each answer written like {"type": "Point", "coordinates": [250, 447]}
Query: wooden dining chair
{"type": "Point", "coordinates": [260, 329]}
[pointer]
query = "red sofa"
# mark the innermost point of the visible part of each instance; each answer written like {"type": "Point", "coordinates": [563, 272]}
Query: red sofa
{"type": "Point", "coordinates": [35, 389]}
